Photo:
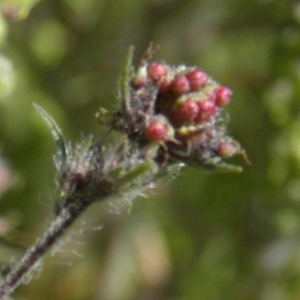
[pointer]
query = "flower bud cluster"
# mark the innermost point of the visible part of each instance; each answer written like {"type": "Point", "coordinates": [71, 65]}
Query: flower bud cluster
{"type": "Point", "coordinates": [180, 109]}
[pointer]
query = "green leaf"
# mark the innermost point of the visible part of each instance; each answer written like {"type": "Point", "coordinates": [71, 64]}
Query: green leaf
{"type": "Point", "coordinates": [131, 177]}
{"type": "Point", "coordinates": [56, 133]}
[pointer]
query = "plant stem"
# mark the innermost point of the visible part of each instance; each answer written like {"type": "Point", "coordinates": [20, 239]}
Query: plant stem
{"type": "Point", "coordinates": [78, 192]}
{"type": "Point", "coordinates": [33, 255]}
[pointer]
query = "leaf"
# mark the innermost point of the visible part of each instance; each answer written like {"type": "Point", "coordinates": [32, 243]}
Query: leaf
{"type": "Point", "coordinates": [133, 175]}
{"type": "Point", "coordinates": [56, 133]}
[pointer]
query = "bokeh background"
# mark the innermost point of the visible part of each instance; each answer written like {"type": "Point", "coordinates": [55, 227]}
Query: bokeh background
{"type": "Point", "coordinates": [199, 236]}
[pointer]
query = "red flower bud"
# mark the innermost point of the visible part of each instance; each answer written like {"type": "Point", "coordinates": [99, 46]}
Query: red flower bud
{"type": "Point", "coordinates": [157, 131]}
{"type": "Point", "coordinates": [207, 109]}
{"type": "Point", "coordinates": [197, 79]}
{"type": "Point", "coordinates": [186, 111]}
{"type": "Point", "coordinates": [157, 72]}
{"type": "Point", "coordinates": [223, 96]}
{"type": "Point", "coordinates": [180, 85]}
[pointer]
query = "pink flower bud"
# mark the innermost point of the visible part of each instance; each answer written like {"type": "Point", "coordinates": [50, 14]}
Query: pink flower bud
{"type": "Point", "coordinates": [197, 79]}
{"type": "Point", "coordinates": [207, 109]}
{"type": "Point", "coordinates": [164, 84]}
{"type": "Point", "coordinates": [186, 111]}
{"type": "Point", "coordinates": [180, 85]}
{"type": "Point", "coordinates": [157, 131]}
{"type": "Point", "coordinates": [226, 149]}
{"type": "Point", "coordinates": [157, 72]}
{"type": "Point", "coordinates": [223, 96]}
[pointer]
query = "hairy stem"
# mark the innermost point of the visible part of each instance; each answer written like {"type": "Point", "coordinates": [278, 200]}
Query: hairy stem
{"type": "Point", "coordinates": [73, 206]}
{"type": "Point", "coordinates": [33, 255]}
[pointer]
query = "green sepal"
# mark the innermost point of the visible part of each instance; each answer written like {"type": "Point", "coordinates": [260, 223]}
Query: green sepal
{"type": "Point", "coordinates": [222, 168]}
{"type": "Point", "coordinates": [124, 80]}
{"type": "Point", "coordinates": [211, 166]}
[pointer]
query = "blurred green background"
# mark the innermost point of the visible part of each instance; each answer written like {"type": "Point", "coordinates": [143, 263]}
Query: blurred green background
{"type": "Point", "coordinates": [198, 237]}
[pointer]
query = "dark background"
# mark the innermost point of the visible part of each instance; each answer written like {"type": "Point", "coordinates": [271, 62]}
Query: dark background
{"type": "Point", "coordinates": [198, 237]}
